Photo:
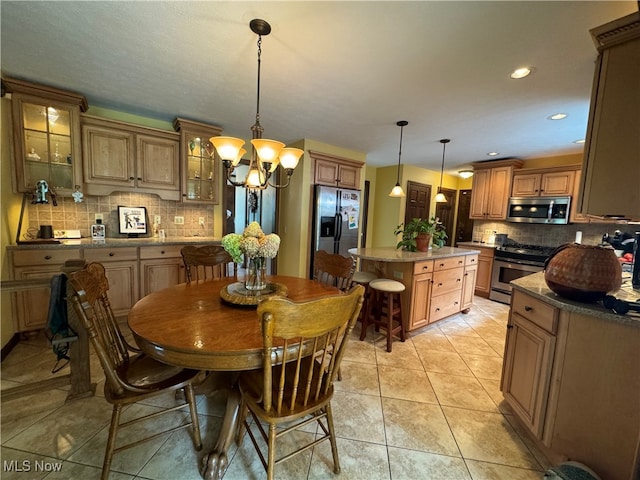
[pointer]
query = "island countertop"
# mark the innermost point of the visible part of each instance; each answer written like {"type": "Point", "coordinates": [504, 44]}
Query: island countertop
{"type": "Point", "coordinates": [392, 254]}
{"type": "Point", "coordinates": [536, 286]}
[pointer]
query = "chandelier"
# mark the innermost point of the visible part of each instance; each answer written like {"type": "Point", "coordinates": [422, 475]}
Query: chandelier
{"type": "Point", "coordinates": [266, 154]}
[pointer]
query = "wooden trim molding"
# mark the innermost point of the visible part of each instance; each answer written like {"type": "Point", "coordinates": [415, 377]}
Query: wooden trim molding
{"type": "Point", "coordinates": [12, 85]}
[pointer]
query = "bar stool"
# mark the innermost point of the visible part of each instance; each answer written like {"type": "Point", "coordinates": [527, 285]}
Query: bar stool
{"type": "Point", "coordinates": [363, 278]}
{"type": "Point", "coordinates": [385, 298]}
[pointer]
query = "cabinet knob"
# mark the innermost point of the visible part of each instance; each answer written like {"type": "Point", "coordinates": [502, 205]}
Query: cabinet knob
{"type": "Point", "coordinates": [527, 308]}
{"type": "Point", "coordinates": [442, 264]}
{"type": "Point", "coordinates": [440, 284]}
{"type": "Point", "coordinates": [458, 279]}
{"type": "Point", "coordinates": [111, 254]}
{"type": "Point", "coordinates": [459, 262]}
{"type": "Point", "coordinates": [425, 268]}
{"type": "Point", "coordinates": [509, 326]}
{"type": "Point", "coordinates": [139, 178]}
{"type": "Point", "coordinates": [131, 178]}
{"type": "Point", "coordinates": [161, 252]}
{"type": "Point", "coordinates": [47, 257]}
{"type": "Point", "coordinates": [438, 309]}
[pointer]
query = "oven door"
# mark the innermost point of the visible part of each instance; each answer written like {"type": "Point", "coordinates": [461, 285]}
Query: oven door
{"type": "Point", "coordinates": [504, 271]}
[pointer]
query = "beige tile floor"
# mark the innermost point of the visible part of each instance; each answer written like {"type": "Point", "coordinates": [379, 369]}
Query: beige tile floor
{"type": "Point", "coordinates": [431, 409]}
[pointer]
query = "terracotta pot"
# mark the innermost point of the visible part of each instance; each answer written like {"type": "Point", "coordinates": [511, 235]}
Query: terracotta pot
{"type": "Point", "coordinates": [422, 242]}
{"type": "Point", "coordinates": [583, 272]}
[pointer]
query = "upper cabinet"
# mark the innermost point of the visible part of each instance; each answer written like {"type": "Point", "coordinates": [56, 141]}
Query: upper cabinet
{"type": "Point", "coordinates": [491, 189]}
{"type": "Point", "coordinates": [335, 171]}
{"type": "Point", "coordinates": [548, 182]}
{"type": "Point", "coordinates": [46, 136]}
{"type": "Point", "coordinates": [199, 161]}
{"type": "Point", "coordinates": [611, 166]}
{"type": "Point", "coordinates": [119, 156]}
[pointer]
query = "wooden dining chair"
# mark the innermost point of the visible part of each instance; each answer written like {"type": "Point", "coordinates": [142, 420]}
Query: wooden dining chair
{"type": "Point", "coordinates": [303, 348]}
{"type": "Point", "coordinates": [208, 262]}
{"type": "Point", "coordinates": [131, 376]}
{"type": "Point", "coordinates": [333, 269]}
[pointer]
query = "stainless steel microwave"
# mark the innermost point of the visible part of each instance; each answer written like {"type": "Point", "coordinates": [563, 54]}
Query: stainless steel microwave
{"type": "Point", "coordinates": [549, 210]}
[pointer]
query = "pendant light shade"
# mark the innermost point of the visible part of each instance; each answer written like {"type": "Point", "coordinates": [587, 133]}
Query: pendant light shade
{"type": "Point", "coordinates": [397, 190]}
{"type": "Point", "coordinates": [440, 198]}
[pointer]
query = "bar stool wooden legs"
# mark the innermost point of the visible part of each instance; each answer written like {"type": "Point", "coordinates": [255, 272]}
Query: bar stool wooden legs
{"type": "Point", "coordinates": [384, 308]}
{"type": "Point", "coordinates": [363, 278]}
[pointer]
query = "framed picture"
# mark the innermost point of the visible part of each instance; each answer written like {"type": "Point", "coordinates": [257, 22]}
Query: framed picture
{"type": "Point", "coordinates": [132, 221]}
{"type": "Point", "coordinates": [98, 232]}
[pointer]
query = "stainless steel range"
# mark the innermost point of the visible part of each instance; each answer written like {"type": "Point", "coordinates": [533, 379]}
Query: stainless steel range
{"type": "Point", "coordinates": [512, 261]}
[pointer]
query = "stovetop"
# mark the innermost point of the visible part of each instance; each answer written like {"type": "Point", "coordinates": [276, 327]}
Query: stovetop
{"type": "Point", "coordinates": [522, 251]}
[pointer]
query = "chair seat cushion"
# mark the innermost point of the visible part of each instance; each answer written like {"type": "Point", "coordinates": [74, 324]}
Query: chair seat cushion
{"type": "Point", "coordinates": [363, 277]}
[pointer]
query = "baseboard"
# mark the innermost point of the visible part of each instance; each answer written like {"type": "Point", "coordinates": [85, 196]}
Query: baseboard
{"type": "Point", "coordinates": [9, 346]}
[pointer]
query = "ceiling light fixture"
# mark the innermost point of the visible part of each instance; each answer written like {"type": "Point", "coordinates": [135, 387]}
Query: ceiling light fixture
{"type": "Point", "coordinates": [557, 116]}
{"type": "Point", "coordinates": [466, 173]}
{"type": "Point", "coordinates": [440, 196]}
{"type": "Point", "coordinates": [493, 154]}
{"type": "Point", "coordinates": [397, 191]}
{"type": "Point", "coordinates": [266, 154]}
{"type": "Point", "coordinates": [582, 140]}
{"type": "Point", "coordinates": [522, 72]}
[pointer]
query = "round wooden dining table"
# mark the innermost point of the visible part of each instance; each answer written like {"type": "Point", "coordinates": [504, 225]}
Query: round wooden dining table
{"type": "Point", "coordinates": [191, 326]}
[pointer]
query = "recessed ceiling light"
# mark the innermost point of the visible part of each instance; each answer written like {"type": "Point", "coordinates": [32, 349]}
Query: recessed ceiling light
{"type": "Point", "coordinates": [579, 141]}
{"type": "Point", "coordinates": [493, 154]}
{"type": "Point", "coordinates": [522, 72]}
{"type": "Point", "coordinates": [557, 116]}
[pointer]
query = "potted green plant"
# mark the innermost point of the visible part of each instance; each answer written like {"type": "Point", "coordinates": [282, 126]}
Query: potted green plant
{"type": "Point", "coordinates": [417, 234]}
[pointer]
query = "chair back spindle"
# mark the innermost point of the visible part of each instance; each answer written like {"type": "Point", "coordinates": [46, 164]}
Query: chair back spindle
{"type": "Point", "coordinates": [208, 262]}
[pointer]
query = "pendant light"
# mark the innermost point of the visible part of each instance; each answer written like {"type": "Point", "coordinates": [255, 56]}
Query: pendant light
{"type": "Point", "coordinates": [397, 191]}
{"type": "Point", "coordinates": [440, 196]}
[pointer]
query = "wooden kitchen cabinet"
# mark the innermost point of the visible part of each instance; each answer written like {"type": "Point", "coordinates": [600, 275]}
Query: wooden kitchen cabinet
{"type": "Point", "coordinates": [491, 189]}
{"type": "Point", "coordinates": [335, 171]}
{"type": "Point", "coordinates": [446, 293]}
{"type": "Point", "coordinates": [31, 307]}
{"type": "Point", "coordinates": [421, 296]}
{"type": "Point", "coordinates": [528, 359]}
{"type": "Point", "coordinates": [121, 269]}
{"type": "Point", "coordinates": [118, 156]}
{"type": "Point", "coordinates": [46, 136]}
{"type": "Point", "coordinates": [199, 162]}
{"type": "Point", "coordinates": [160, 267]}
{"type": "Point", "coordinates": [469, 281]}
{"type": "Point", "coordinates": [611, 165]}
{"type": "Point", "coordinates": [548, 183]}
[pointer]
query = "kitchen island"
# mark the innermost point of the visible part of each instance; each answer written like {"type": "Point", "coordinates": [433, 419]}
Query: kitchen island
{"type": "Point", "coordinates": [571, 375]}
{"type": "Point", "coordinates": [438, 283]}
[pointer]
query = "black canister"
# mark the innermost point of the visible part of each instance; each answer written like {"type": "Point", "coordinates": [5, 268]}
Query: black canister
{"type": "Point", "coordinates": [46, 231]}
{"type": "Point", "coordinates": [635, 275]}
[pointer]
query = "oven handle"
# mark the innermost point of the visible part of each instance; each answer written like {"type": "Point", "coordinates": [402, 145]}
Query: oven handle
{"type": "Point", "coordinates": [550, 211]}
{"type": "Point", "coordinates": [519, 262]}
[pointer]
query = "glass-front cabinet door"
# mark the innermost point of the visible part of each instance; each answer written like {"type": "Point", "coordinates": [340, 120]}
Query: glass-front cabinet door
{"type": "Point", "coordinates": [200, 163]}
{"type": "Point", "coordinates": [46, 138]}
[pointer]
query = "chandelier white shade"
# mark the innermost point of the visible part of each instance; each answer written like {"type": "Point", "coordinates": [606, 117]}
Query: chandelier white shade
{"type": "Point", "coordinates": [266, 154]}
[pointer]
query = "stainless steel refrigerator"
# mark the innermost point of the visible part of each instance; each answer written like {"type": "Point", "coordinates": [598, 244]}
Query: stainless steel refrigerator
{"type": "Point", "coordinates": [336, 220]}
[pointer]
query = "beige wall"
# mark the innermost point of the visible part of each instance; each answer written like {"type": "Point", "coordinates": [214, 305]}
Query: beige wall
{"type": "Point", "coordinates": [559, 160]}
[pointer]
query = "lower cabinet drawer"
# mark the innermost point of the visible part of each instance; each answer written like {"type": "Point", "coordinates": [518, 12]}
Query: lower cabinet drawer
{"type": "Point", "coordinates": [445, 305]}
{"type": "Point", "coordinates": [45, 256]}
{"type": "Point", "coordinates": [447, 281]}
{"type": "Point", "coordinates": [448, 262]}
{"type": "Point", "coordinates": [536, 311]}
{"type": "Point", "coordinates": [110, 254]}
{"type": "Point", "coordinates": [168, 251]}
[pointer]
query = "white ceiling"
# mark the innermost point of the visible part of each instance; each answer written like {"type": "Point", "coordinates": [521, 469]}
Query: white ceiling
{"type": "Point", "coordinates": [342, 73]}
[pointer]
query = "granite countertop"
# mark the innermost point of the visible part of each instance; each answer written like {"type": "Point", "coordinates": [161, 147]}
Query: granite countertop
{"type": "Point", "coordinates": [392, 254]}
{"type": "Point", "coordinates": [535, 286]}
{"type": "Point", "coordinates": [117, 242]}
{"type": "Point", "coordinates": [477, 245]}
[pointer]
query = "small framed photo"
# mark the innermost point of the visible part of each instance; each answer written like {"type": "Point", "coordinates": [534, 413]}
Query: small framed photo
{"type": "Point", "coordinates": [98, 232]}
{"type": "Point", "coordinates": [132, 221]}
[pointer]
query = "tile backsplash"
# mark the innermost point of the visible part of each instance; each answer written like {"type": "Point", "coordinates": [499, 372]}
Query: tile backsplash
{"type": "Point", "coordinates": [69, 215]}
{"type": "Point", "coordinates": [550, 235]}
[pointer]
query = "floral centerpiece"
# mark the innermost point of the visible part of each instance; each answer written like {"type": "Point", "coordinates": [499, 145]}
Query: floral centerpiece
{"type": "Point", "coordinates": [254, 246]}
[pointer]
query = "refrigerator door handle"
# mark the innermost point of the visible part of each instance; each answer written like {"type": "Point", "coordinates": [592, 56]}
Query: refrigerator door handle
{"type": "Point", "coordinates": [339, 225]}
